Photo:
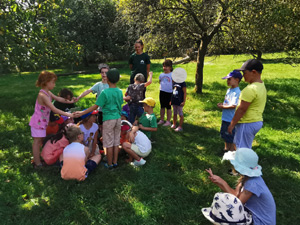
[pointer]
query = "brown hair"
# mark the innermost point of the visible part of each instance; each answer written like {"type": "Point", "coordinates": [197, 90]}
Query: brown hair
{"type": "Point", "coordinates": [65, 92]}
{"type": "Point", "coordinates": [168, 63]}
{"type": "Point", "coordinates": [44, 78]}
{"type": "Point", "coordinates": [139, 41]}
{"type": "Point", "coordinates": [72, 133]}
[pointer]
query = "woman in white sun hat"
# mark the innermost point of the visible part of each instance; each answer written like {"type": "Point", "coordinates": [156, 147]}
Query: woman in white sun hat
{"type": "Point", "coordinates": [251, 189]}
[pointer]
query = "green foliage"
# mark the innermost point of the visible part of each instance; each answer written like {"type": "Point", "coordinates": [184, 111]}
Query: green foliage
{"type": "Point", "coordinates": [172, 187]}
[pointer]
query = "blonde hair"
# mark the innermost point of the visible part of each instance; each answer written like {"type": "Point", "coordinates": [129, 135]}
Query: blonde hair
{"type": "Point", "coordinates": [72, 133]}
{"type": "Point", "coordinates": [44, 78]}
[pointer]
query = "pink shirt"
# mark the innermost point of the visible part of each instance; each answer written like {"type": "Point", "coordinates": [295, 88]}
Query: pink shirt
{"type": "Point", "coordinates": [52, 151]}
{"type": "Point", "coordinates": [41, 115]}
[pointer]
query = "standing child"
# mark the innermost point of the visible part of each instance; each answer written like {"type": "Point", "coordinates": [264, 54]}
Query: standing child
{"type": "Point", "coordinates": [147, 122]}
{"type": "Point", "coordinates": [110, 101]}
{"type": "Point", "coordinates": [165, 94]}
{"type": "Point", "coordinates": [228, 107]}
{"type": "Point", "coordinates": [40, 117]}
{"type": "Point", "coordinates": [77, 164]}
{"type": "Point", "coordinates": [178, 101]}
{"type": "Point", "coordinates": [135, 94]}
{"type": "Point", "coordinates": [90, 130]}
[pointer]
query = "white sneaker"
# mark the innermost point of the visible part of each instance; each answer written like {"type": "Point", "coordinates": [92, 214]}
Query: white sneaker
{"type": "Point", "coordinates": [166, 124]}
{"type": "Point", "coordinates": [139, 163]}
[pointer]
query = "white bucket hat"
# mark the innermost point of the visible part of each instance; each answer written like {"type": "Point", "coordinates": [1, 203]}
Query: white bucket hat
{"type": "Point", "coordinates": [246, 162]}
{"type": "Point", "coordinates": [227, 209]}
{"type": "Point", "coordinates": [179, 75]}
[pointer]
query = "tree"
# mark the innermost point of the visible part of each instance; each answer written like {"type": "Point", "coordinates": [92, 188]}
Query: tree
{"type": "Point", "coordinates": [174, 24]}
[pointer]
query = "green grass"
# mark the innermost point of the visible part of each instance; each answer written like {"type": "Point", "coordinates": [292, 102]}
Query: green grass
{"type": "Point", "coordinates": [172, 187]}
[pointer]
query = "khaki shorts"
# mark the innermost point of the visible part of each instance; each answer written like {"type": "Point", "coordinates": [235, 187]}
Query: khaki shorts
{"type": "Point", "coordinates": [136, 149]}
{"type": "Point", "coordinates": [111, 133]}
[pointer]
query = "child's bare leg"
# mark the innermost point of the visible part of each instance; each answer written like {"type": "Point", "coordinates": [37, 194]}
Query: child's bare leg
{"type": "Point", "coordinates": [162, 114]}
{"type": "Point", "coordinates": [36, 146]}
{"type": "Point", "coordinates": [115, 154]}
{"type": "Point", "coordinates": [96, 158]}
{"type": "Point", "coordinates": [132, 154]}
{"type": "Point", "coordinates": [169, 114]}
{"type": "Point", "coordinates": [231, 147]}
{"type": "Point", "coordinates": [109, 154]}
{"type": "Point", "coordinates": [181, 121]}
{"type": "Point", "coordinates": [174, 119]}
{"type": "Point", "coordinates": [226, 146]}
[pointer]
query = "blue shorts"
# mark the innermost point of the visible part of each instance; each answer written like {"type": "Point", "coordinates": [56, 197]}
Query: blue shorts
{"type": "Point", "coordinates": [245, 133]}
{"type": "Point", "coordinates": [90, 165]}
{"type": "Point", "coordinates": [228, 138]}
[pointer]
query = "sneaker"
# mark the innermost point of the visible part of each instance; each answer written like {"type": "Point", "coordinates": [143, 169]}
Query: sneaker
{"type": "Point", "coordinates": [173, 126]}
{"type": "Point", "coordinates": [166, 124]}
{"type": "Point", "coordinates": [179, 129]}
{"type": "Point", "coordinates": [160, 122]}
{"type": "Point", "coordinates": [115, 165]}
{"type": "Point", "coordinates": [139, 163]}
{"type": "Point", "coordinates": [109, 167]}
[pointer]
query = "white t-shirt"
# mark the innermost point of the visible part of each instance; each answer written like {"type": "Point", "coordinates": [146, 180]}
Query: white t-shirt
{"type": "Point", "coordinates": [142, 141]}
{"type": "Point", "coordinates": [88, 133]}
{"type": "Point", "coordinates": [166, 82]}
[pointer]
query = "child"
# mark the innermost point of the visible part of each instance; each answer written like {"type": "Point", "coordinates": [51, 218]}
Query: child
{"type": "Point", "coordinates": [228, 107]}
{"type": "Point", "coordinates": [251, 188]}
{"type": "Point", "coordinates": [147, 122]}
{"type": "Point", "coordinates": [165, 94]}
{"type": "Point", "coordinates": [124, 115]}
{"type": "Point", "coordinates": [139, 62]}
{"type": "Point", "coordinates": [98, 88]}
{"type": "Point", "coordinates": [54, 123]}
{"type": "Point", "coordinates": [43, 106]}
{"type": "Point", "coordinates": [138, 146]}
{"type": "Point", "coordinates": [76, 161]}
{"type": "Point", "coordinates": [53, 149]}
{"type": "Point", "coordinates": [135, 93]}
{"type": "Point", "coordinates": [110, 101]}
{"type": "Point", "coordinates": [90, 130]}
{"type": "Point", "coordinates": [66, 94]}
{"type": "Point", "coordinates": [178, 101]}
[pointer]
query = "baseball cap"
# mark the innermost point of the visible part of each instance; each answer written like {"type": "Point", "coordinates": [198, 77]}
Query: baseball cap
{"type": "Point", "coordinates": [252, 64]}
{"type": "Point", "coordinates": [113, 75]}
{"type": "Point", "coordinates": [149, 101]}
{"type": "Point", "coordinates": [54, 117]}
{"type": "Point", "coordinates": [95, 112]}
{"type": "Point", "coordinates": [235, 74]}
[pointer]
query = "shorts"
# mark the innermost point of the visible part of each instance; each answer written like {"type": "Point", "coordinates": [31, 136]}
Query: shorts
{"type": "Point", "coordinates": [97, 150]}
{"type": "Point", "coordinates": [228, 138]}
{"type": "Point", "coordinates": [177, 109]}
{"type": "Point", "coordinates": [100, 118]}
{"type": "Point", "coordinates": [136, 149]}
{"type": "Point", "coordinates": [90, 165]}
{"type": "Point", "coordinates": [245, 133]}
{"type": "Point", "coordinates": [38, 133]}
{"type": "Point", "coordinates": [165, 99]}
{"type": "Point", "coordinates": [111, 133]}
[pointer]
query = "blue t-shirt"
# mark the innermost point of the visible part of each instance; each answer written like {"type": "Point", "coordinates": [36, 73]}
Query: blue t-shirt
{"type": "Point", "coordinates": [231, 98]}
{"type": "Point", "coordinates": [166, 82]}
{"type": "Point", "coordinates": [261, 203]}
{"type": "Point", "coordinates": [177, 94]}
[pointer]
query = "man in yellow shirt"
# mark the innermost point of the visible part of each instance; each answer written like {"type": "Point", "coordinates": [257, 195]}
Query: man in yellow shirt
{"type": "Point", "coordinates": [248, 118]}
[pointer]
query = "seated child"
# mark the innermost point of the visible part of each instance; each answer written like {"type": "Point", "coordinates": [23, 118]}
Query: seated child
{"type": "Point", "coordinates": [124, 115]}
{"type": "Point", "coordinates": [76, 161]}
{"type": "Point", "coordinates": [138, 145]}
{"type": "Point", "coordinates": [126, 109]}
{"type": "Point", "coordinates": [66, 94]}
{"type": "Point", "coordinates": [55, 121]}
{"type": "Point", "coordinates": [147, 122]}
{"type": "Point", "coordinates": [54, 146]}
{"type": "Point", "coordinates": [135, 93]}
{"type": "Point", "coordinates": [90, 130]}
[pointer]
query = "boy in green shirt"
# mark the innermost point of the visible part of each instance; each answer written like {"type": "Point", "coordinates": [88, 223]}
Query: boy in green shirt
{"type": "Point", "coordinates": [147, 122]}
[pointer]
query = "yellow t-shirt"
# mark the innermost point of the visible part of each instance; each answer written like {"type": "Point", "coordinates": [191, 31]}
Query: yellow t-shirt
{"type": "Point", "coordinates": [255, 93]}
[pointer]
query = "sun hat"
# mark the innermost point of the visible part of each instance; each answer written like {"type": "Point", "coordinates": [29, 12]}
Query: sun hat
{"type": "Point", "coordinates": [179, 75]}
{"type": "Point", "coordinates": [246, 162]}
{"type": "Point", "coordinates": [113, 75]}
{"type": "Point", "coordinates": [252, 64]}
{"type": "Point", "coordinates": [125, 125]}
{"type": "Point", "coordinates": [235, 74]}
{"type": "Point", "coordinates": [149, 101]}
{"type": "Point", "coordinates": [227, 209]}
{"type": "Point", "coordinates": [95, 112]}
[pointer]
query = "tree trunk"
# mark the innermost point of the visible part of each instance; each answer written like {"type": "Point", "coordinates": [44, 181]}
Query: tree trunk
{"type": "Point", "coordinates": [200, 64]}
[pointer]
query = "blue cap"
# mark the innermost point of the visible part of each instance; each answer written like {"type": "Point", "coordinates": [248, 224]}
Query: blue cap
{"type": "Point", "coordinates": [95, 112]}
{"type": "Point", "coordinates": [235, 74]}
{"type": "Point", "coordinates": [124, 113]}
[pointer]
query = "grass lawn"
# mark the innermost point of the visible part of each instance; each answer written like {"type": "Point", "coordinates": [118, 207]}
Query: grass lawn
{"type": "Point", "coordinates": [172, 187]}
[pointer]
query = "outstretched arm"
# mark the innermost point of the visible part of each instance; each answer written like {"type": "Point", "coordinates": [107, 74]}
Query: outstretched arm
{"type": "Point", "coordinates": [46, 101]}
{"type": "Point", "coordinates": [150, 79]}
{"type": "Point", "coordinates": [62, 100]}
{"type": "Point", "coordinates": [86, 92]}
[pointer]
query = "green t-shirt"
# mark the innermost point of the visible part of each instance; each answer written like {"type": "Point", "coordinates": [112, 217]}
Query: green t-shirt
{"type": "Point", "coordinates": [148, 120]}
{"type": "Point", "coordinates": [139, 64]}
{"type": "Point", "coordinates": [110, 100]}
{"type": "Point", "coordinates": [256, 94]}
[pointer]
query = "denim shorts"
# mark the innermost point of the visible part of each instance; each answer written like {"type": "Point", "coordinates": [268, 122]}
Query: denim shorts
{"type": "Point", "coordinates": [228, 138]}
